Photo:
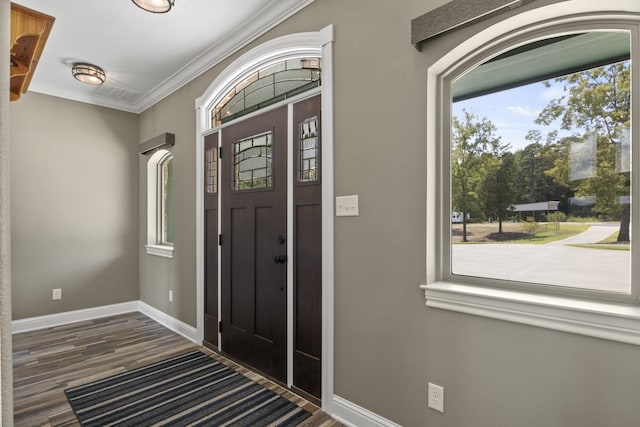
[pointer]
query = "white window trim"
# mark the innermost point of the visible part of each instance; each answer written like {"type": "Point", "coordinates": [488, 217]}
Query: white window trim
{"type": "Point", "coordinates": [154, 244]}
{"type": "Point", "coordinates": [607, 320]}
{"type": "Point", "coordinates": [160, 250]}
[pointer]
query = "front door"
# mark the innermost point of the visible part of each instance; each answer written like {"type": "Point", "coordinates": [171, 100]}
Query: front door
{"type": "Point", "coordinates": [254, 242]}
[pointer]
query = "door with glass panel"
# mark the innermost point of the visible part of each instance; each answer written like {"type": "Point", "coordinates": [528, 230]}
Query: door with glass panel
{"type": "Point", "coordinates": [254, 242]}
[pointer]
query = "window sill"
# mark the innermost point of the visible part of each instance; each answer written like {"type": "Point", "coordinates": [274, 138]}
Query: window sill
{"type": "Point", "coordinates": [617, 322]}
{"type": "Point", "coordinates": [158, 250]}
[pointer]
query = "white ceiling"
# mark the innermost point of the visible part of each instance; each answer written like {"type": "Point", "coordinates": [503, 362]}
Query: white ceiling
{"type": "Point", "coordinates": [146, 56]}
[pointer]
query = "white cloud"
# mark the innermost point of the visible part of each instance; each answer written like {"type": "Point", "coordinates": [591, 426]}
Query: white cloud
{"type": "Point", "coordinates": [523, 111]}
{"type": "Point", "coordinates": [553, 92]}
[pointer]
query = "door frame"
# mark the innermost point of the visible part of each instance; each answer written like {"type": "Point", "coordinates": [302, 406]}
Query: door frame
{"type": "Point", "coordinates": [318, 43]}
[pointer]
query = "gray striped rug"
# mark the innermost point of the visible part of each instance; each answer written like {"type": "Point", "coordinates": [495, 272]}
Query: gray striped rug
{"type": "Point", "coordinates": [188, 390]}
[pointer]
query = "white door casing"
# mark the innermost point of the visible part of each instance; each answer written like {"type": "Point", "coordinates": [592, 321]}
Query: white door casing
{"type": "Point", "coordinates": [287, 47]}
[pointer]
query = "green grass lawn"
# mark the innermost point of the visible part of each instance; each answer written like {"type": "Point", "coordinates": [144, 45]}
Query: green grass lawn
{"type": "Point", "coordinates": [610, 240]}
{"type": "Point", "coordinates": [514, 234]}
{"type": "Point", "coordinates": [546, 234]}
{"type": "Point", "coordinates": [610, 243]}
{"type": "Point", "coordinates": [600, 246]}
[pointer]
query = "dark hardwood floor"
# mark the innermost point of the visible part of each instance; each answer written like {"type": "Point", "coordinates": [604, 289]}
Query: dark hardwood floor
{"type": "Point", "coordinates": [47, 361]}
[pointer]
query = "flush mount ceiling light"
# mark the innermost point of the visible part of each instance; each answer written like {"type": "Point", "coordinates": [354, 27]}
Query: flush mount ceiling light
{"type": "Point", "coordinates": [88, 73]}
{"type": "Point", "coordinates": [155, 6]}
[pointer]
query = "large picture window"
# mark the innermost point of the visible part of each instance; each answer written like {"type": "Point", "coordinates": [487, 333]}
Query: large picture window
{"type": "Point", "coordinates": [540, 190]}
{"type": "Point", "coordinates": [531, 209]}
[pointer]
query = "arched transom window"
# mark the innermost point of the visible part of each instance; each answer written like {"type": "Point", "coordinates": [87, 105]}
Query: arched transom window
{"type": "Point", "coordinates": [266, 86]}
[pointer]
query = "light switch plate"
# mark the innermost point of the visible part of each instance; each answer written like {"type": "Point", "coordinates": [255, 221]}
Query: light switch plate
{"type": "Point", "coordinates": [56, 294]}
{"type": "Point", "coordinates": [347, 205]}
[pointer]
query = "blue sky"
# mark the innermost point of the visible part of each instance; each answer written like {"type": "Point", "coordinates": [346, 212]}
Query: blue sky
{"type": "Point", "coordinates": [512, 111]}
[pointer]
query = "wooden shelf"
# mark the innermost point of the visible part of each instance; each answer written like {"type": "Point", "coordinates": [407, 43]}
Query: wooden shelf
{"type": "Point", "coordinates": [29, 32]}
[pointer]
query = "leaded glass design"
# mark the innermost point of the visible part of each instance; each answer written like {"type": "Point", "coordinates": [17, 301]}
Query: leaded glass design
{"type": "Point", "coordinates": [308, 169]}
{"type": "Point", "coordinates": [267, 86]}
{"type": "Point", "coordinates": [211, 162]}
{"type": "Point", "coordinates": [252, 163]}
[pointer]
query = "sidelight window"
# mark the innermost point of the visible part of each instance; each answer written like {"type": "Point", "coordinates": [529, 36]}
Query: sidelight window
{"type": "Point", "coordinates": [211, 162]}
{"type": "Point", "coordinates": [308, 161]}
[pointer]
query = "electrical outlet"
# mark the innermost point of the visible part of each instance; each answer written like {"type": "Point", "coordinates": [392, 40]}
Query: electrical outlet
{"type": "Point", "coordinates": [56, 294]}
{"type": "Point", "coordinates": [170, 296]}
{"type": "Point", "coordinates": [436, 397]}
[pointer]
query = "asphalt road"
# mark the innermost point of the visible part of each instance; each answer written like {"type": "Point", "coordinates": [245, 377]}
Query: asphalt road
{"type": "Point", "coordinates": [552, 263]}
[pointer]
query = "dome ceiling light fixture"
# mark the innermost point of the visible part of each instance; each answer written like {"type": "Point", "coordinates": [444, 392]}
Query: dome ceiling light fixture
{"type": "Point", "coordinates": [155, 6]}
{"type": "Point", "coordinates": [88, 73]}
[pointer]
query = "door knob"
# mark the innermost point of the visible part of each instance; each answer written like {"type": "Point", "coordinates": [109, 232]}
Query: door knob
{"type": "Point", "coordinates": [282, 239]}
{"type": "Point", "coordinates": [280, 259]}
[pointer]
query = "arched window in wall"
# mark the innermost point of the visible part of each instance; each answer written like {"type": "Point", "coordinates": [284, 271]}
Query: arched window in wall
{"type": "Point", "coordinates": [160, 191]}
{"type": "Point", "coordinates": [539, 144]}
{"type": "Point", "coordinates": [533, 132]}
{"type": "Point", "coordinates": [267, 86]}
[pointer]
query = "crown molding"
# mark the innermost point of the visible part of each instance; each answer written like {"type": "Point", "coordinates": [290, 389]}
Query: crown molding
{"type": "Point", "coordinates": [78, 96]}
{"type": "Point", "coordinates": [271, 15]}
{"type": "Point", "coordinates": [275, 12]}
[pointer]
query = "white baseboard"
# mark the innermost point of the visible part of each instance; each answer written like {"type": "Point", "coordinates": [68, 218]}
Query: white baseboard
{"type": "Point", "coordinates": [356, 416]}
{"type": "Point", "coordinates": [57, 319]}
{"type": "Point", "coordinates": [341, 409]}
{"type": "Point", "coordinates": [169, 322]}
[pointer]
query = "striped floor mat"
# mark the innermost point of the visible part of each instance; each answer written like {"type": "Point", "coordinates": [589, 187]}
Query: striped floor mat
{"type": "Point", "coordinates": [188, 390]}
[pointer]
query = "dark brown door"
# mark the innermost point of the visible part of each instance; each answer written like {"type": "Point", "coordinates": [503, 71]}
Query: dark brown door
{"type": "Point", "coordinates": [211, 239]}
{"type": "Point", "coordinates": [254, 242]}
{"type": "Point", "coordinates": [307, 219]}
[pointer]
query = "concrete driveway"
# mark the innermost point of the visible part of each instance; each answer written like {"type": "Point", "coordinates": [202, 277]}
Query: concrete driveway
{"type": "Point", "coordinates": [553, 263]}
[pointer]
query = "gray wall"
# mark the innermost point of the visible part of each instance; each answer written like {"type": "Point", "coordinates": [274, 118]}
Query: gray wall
{"type": "Point", "coordinates": [388, 345]}
{"type": "Point", "coordinates": [74, 226]}
{"type": "Point", "coordinates": [159, 275]}
{"type": "Point", "coordinates": [74, 206]}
